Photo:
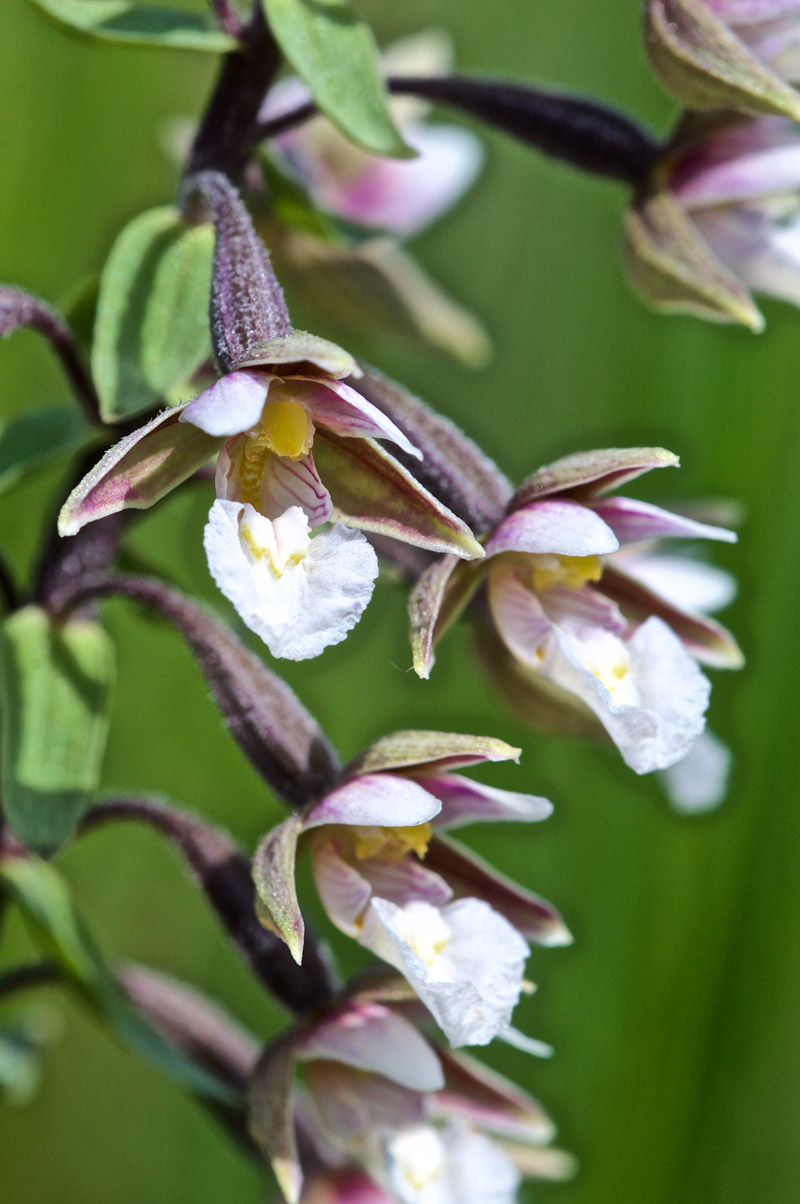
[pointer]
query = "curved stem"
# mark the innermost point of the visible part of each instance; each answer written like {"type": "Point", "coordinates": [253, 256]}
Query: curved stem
{"type": "Point", "coordinates": [223, 872]}
{"type": "Point", "coordinates": [36, 974]}
{"type": "Point", "coordinates": [584, 133]}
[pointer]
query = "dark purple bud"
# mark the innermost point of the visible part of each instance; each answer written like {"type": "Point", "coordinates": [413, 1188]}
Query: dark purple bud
{"type": "Point", "coordinates": [453, 468]}
{"type": "Point", "coordinates": [269, 724]}
{"type": "Point", "coordinates": [19, 309]}
{"type": "Point", "coordinates": [223, 873]}
{"type": "Point", "coordinates": [247, 306]}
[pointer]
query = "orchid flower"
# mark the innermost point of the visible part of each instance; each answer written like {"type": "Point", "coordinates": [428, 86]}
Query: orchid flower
{"type": "Point", "coordinates": [399, 196]}
{"type": "Point", "coordinates": [296, 453]}
{"type": "Point", "coordinates": [421, 1126]}
{"type": "Point", "coordinates": [723, 217]}
{"type": "Point", "coordinates": [452, 927]}
{"type": "Point", "coordinates": [577, 620]}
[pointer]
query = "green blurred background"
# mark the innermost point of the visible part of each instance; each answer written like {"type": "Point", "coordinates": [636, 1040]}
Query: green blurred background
{"type": "Point", "coordinates": [675, 1014]}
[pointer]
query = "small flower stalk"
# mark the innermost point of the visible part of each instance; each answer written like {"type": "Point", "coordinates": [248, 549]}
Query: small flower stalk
{"type": "Point", "coordinates": [299, 473]}
{"type": "Point", "coordinates": [581, 615]}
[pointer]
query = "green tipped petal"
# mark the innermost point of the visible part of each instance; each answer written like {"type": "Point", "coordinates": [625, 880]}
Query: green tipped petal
{"type": "Point", "coordinates": [273, 875]}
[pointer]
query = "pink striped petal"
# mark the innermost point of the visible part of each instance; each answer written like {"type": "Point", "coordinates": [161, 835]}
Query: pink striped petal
{"type": "Point", "coordinates": [288, 483]}
{"type": "Point", "coordinates": [747, 159]}
{"type": "Point", "coordinates": [349, 1103]}
{"type": "Point", "coordinates": [405, 881]}
{"type": "Point", "coordinates": [633, 521]}
{"type": "Point", "coordinates": [521, 622]}
{"type": "Point", "coordinates": [553, 526]}
{"type": "Point", "coordinates": [585, 607]}
{"type": "Point", "coordinates": [466, 802]}
{"type": "Point", "coordinates": [371, 1037]}
{"type": "Point", "coordinates": [375, 800]}
{"type": "Point", "coordinates": [470, 876]}
{"type": "Point", "coordinates": [345, 412]}
{"type": "Point", "coordinates": [344, 893]}
{"type": "Point", "coordinates": [230, 406]}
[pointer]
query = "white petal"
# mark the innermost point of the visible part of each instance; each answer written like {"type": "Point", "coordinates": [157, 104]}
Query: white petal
{"type": "Point", "coordinates": [467, 802]}
{"type": "Point", "coordinates": [312, 603]}
{"type": "Point", "coordinates": [232, 405]}
{"type": "Point", "coordinates": [699, 782]}
{"type": "Point", "coordinates": [465, 961]}
{"type": "Point", "coordinates": [384, 799]}
{"type": "Point", "coordinates": [686, 583]}
{"type": "Point", "coordinates": [647, 692]}
{"type": "Point", "coordinates": [423, 1165]}
{"type": "Point", "coordinates": [763, 250]}
{"type": "Point", "coordinates": [555, 525]}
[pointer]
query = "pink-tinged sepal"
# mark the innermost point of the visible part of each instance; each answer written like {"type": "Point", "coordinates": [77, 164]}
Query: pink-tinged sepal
{"type": "Point", "coordinates": [271, 1114]}
{"type": "Point", "coordinates": [468, 875]}
{"type": "Point", "coordinates": [480, 1096]}
{"type": "Point", "coordinates": [274, 878]}
{"type": "Point", "coordinates": [589, 474]}
{"type": "Point", "coordinates": [404, 881]}
{"type": "Point", "coordinates": [554, 525]}
{"type": "Point", "coordinates": [138, 471]}
{"type": "Point", "coordinates": [702, 57]}
{"type": "Point", "coordinates": [373, 1038]}
{"type": "Point", "coordinates": [439, 597]}
{"type": "Point", "coordinates": [344, 411]}
{"type": "Point", "coordinates": [371, 490]}
{"type": "Point", "coordinates": [634, 522]}
{"type": "Point", "coordinates": [430, 752]}
{"type": "Point", "coordinates": [298, 353]}
{"type": "Point", "coordinates": [708, 641]}
{"type": "Point", "coordinates": [467, 802]}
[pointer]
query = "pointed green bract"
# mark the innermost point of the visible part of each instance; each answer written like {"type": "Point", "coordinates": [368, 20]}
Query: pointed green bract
{"type": "Point", "coordinates": [55, 694]}
{"type": "Point", "coordinates": [137, 24]}
{"type": "Point", "coordinates": [332, 49]}
{"type": "Point", "coordinates": [152, 331]}
{"type": "Point", "coordinates": [432, 751]}
{"type": "Point", "coordinates": [44, 900]}
{"type": "Point", "coordinates": [39, 437]}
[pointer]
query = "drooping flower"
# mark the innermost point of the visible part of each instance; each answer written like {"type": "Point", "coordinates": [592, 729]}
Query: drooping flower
{"type": "Point", "coordinates": [722, 217]}
{"type": "Point", "coordinates": [451, 926]}
{"type": "Point", "coordinates": [394, 195]}
{"type": "Point", "coordinates": [385, 1116]}
{"type": "Point", "coordinates": [727, 54]}
{"type": "Point", "coordinates": [297, 452]}
{"type": "Point", "coordinates": [577, 622]}
{"type": "Point", "coordinates": [359, 273]}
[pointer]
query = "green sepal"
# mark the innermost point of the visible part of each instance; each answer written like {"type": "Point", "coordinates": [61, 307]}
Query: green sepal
{"type": "Point", "coordinates": [55, 693]}
{"type": "Point", "coordinates": [137, 24]}
{"type": "Point", "coordinates": [332, 49]}
{"type": "Point", "coordinates": [152, 330]}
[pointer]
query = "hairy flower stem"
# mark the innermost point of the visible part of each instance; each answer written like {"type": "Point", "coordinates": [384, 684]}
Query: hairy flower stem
{"type": "Point", "coordinates": [224, 874]}
{"type": "Point", "coordinates": [228, 128]}
{"type": "Point", "coordinates": [584, 133]}
{"type": "Point", "coordinates": [20, 309]}
{"type": "Point", "coordinates": [272, 728]}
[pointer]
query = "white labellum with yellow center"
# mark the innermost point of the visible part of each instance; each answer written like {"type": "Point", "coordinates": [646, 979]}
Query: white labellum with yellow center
{"type": "Point", "coordinates": [299, 594]}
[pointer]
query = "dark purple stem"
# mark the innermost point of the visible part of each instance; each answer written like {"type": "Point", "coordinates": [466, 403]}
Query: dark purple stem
{"type": "Point", "coordinates": [20, 309]}
{"type": "Point", "coordinates": [8, 588]}
{"type": "Point", "coordinates": [22, 977]}
{"type": "Point", "coordinates": [228, 18]}
{"type": "Point", "coordinates": [583, 133]}
{"type": "Point", "coordinates": [224, 874]}
{"type": "Point", "coordinates": [228, 129]}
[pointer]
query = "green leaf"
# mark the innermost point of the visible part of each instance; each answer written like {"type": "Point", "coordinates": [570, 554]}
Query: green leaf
{"type": "Point", "coordinates": [332, 49]}
{"type": "Point", "coordinates": [36, 438]}
{"type": "Point", "coordinates": [43, 897]}
{"type": "Point", "coordinates": [151, 332]}
{"type": "Point", "coordinates": [137, 24]}
{"type": "Point", "coordinates": [55, 693]}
